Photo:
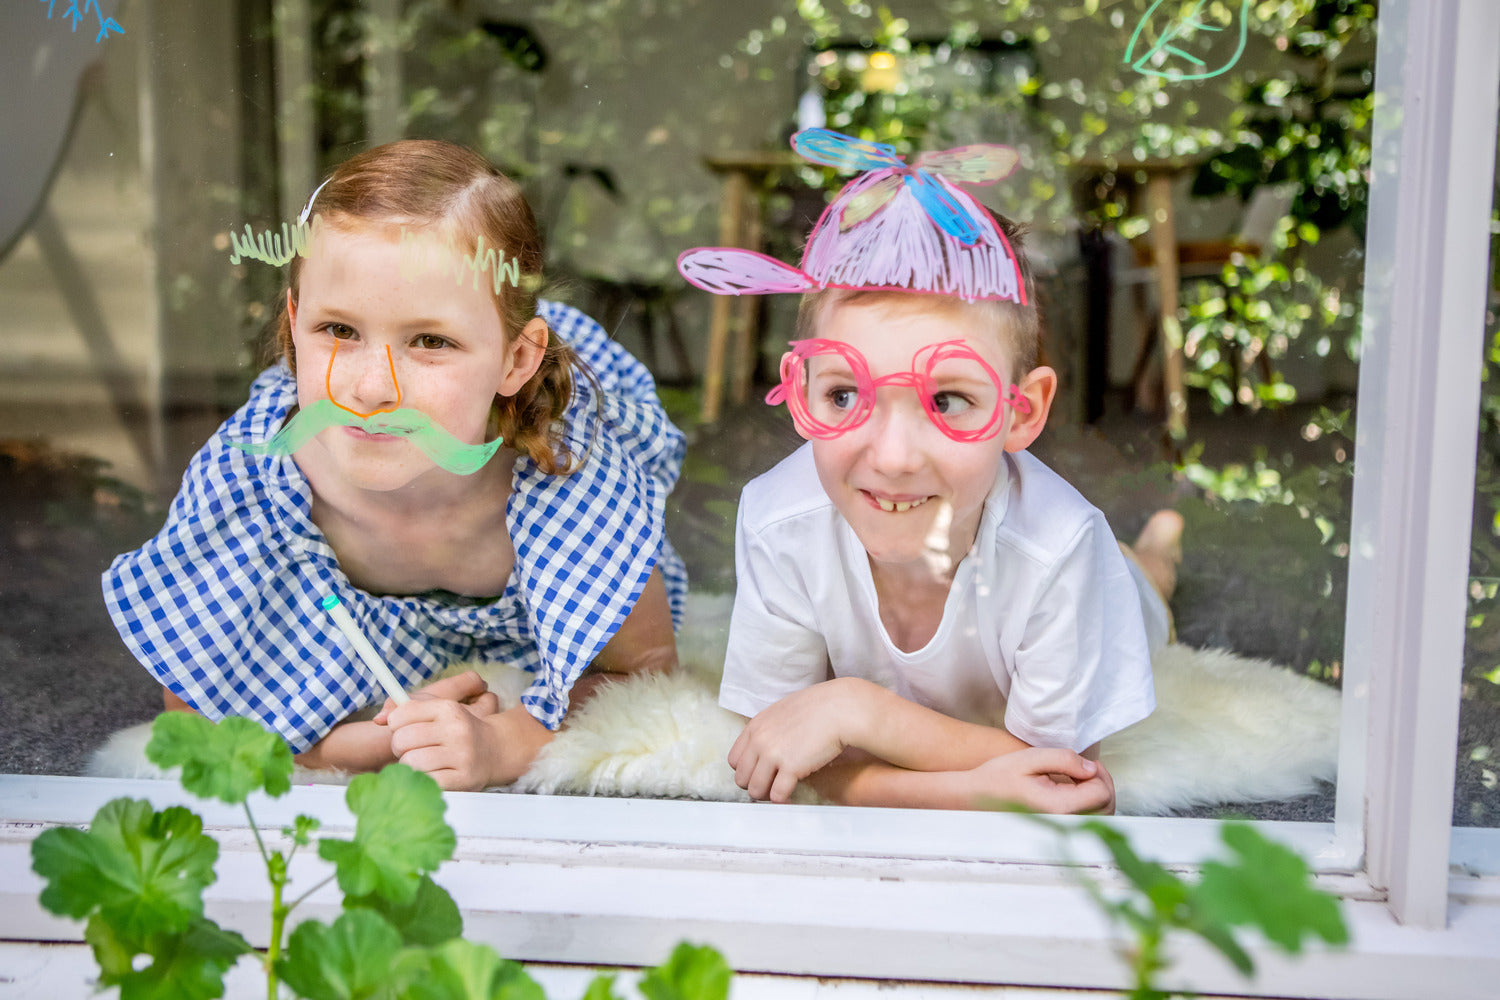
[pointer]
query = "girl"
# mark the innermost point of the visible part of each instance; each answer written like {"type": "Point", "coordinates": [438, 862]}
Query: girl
{"type": "Point", "coordinates": [358, 471]}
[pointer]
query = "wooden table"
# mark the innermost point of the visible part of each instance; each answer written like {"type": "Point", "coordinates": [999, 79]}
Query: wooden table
{"type": "Point", "coordinates": [1159, 175]}
{"type": "Point", "coordinates": [744, 175]}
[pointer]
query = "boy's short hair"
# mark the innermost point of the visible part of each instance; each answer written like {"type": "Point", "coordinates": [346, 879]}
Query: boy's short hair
{"type": "Point", "coordinates": [1021, 325]}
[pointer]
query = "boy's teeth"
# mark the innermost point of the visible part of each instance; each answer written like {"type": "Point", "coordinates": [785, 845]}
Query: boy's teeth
{"type": "Point", "coordinates": [898, 505]}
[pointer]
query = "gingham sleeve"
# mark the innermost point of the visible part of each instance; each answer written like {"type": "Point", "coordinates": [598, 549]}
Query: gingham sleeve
{"type": "Point", "coordinates": [222, 605]}
{"type": "Point", "coordinates": [586, 543]}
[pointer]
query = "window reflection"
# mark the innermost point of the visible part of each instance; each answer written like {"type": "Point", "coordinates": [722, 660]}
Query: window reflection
{"type": "Point", "coordinates": [128, 336]}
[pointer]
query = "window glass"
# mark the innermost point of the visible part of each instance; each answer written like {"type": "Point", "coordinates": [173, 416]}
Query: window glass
{"type": "Point", "coordinates": [1223, 146]}
{"type": "Point", "coordinates": [1476, 792]}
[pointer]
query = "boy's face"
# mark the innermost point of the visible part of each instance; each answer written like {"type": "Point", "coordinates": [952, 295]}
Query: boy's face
{"type": "Point", "coordinates": [911, 492]}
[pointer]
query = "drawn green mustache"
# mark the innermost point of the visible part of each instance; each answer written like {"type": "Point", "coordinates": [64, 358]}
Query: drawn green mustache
{"type": "Point", "coordinates": [436, 443]}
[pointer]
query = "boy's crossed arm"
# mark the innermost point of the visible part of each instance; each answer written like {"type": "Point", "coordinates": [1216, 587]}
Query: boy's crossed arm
{"type": "Point", "coordinates": [860, 744]}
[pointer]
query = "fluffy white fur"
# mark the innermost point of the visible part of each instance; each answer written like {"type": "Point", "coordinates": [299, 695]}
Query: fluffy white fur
{"type": "Point", "coordinates": [1226, 729]}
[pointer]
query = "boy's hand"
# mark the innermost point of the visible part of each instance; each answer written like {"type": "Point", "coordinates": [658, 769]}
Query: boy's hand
{"type": "Point", "coordinates": [467, 688]}
{"type": "Point", "coordinates": [793, 738]}
{"type": "Point", "coordinates": [1046, 780]}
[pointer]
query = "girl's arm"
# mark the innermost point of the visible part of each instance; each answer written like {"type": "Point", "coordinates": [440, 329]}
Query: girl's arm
{"type": "Point", "coordinates": [807, 730]}
{"type": "Point", "coordinates": [349, 746]}
{"type": "Point", "coordinates": [467, 753]}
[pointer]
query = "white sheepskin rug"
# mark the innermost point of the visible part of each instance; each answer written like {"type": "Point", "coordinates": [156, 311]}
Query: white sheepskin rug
{"type": "Point", "coordinates": [1226, 729]}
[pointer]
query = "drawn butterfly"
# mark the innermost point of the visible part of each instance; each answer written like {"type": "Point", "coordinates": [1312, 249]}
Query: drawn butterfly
{"type": "Point", "coordinates": [979, 164]}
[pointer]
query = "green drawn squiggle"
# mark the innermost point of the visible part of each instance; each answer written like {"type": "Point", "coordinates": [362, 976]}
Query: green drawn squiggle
{"type": "Point", "coordinates": [1182, 24]}
{"type": "Point", "coordinates": [436, 443]}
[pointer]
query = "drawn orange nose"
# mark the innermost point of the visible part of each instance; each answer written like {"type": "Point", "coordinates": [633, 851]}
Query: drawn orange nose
{"type": "Point", "coordinates": [328, 385]}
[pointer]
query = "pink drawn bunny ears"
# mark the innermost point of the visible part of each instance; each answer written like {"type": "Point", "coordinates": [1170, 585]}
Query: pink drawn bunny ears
{"type": "Point", "coordinates": [897, 227]}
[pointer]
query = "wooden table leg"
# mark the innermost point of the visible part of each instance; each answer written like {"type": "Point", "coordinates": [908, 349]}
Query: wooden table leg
{"type": "Point", "coordinates": [1164, 254]}
{"type": "Point", "coordinates": [731, 215]}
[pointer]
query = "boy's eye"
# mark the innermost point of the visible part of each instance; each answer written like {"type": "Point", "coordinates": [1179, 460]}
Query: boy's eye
{"type": "Point", "coordinates": [951, 403]}
{"type": "Point", "coordinates": [843, 398]}
{"type": "Point", "coordinates": [431, 342]}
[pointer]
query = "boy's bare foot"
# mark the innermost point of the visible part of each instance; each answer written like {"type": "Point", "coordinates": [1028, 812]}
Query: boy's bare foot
{"type": "Point", "coordinates": [1158, 550]}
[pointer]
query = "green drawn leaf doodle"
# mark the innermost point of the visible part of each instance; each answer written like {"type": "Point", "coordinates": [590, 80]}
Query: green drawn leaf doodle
{"type": "Point", "coordinates": [399, 836]}
{"type": "Point", "coordinates": [143, 871]}
{"type": "Point", "coordinates": [226, 761]}
{"type": "Point", "coordinates": [1165, 57]}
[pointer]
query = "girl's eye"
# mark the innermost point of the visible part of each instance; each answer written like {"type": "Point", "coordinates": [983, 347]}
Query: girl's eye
{"type": "Point", "coordinates": [951, 403]}
{"type": "Point", "coordinates": [431, 342]}
{"type": "Point", "coordinates": [340, 331]}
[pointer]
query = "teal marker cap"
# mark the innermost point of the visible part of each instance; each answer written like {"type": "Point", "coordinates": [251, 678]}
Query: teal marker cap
{"type": "Point", "coordinates": [330, 601]}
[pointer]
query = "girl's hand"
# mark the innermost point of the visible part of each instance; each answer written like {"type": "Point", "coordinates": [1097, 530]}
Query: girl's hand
{"type": "Point", "coordinates": [464, 751]}
{"type": "Point", "coordinates": [467, 688]}
{"type": "Point", "coordinates": [793, 738]}
{"type": "Point", "coordinates": [1045, 780]}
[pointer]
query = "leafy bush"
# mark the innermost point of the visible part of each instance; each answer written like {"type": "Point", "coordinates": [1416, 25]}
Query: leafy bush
{"type": "Point", "coordinates": [137, 876]}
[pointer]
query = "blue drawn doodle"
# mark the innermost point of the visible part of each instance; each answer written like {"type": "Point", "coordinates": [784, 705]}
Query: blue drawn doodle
{"type": "Point", "coordinates": [106, 24]}
{"type": "Point", "coordinates": [1184, 26]}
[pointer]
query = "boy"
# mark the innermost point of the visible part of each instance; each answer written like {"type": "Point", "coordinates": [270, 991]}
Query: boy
{"type": "Point", "coordinates": [925, 614]}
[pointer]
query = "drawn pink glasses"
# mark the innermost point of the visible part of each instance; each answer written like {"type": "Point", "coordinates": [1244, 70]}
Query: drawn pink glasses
{"type": "Point", "coordinates": [826, 385]}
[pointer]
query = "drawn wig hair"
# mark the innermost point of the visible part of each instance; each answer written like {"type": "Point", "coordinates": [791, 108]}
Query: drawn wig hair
{"type": "Point", "coordinates": [452, 193]}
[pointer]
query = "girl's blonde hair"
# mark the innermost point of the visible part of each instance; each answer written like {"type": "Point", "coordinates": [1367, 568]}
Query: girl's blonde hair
{"type": "Point", "coordinates": [454, 194]}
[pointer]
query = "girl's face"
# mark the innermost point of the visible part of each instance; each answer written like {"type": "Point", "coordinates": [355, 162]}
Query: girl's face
{"type": "Point", "coordinates": [911, 492]}
{"type": "Point", "coordinates": [368, 335]}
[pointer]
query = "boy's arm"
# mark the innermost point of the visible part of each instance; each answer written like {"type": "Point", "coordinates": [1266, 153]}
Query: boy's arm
{"type": "Point", "coordinates": [805, 731]}
{"type": "Point", "coordinates": [1027, 778]}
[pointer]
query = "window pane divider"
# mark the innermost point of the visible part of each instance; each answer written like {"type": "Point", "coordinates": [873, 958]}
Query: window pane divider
{"type": "Point", "coordinates": [1438, 71]}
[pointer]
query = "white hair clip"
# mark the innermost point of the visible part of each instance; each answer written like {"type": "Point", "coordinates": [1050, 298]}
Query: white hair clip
{"type": "Point", "coordinates": [307, 209]}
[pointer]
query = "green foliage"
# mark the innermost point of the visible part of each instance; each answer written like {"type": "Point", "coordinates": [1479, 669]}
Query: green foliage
{"type": "Point", "coordinates": [137, 876]}
{"type": "Point", "coordinates": [400, 835]}
{"type": "Point", "coordinates": [187, 964]}
{"type": "Point", "coordinates": [138, 869]}
{"type": "Point", "coordinates": [1263, 887]}
{"type": "Point", "coordinates": [351, 960]}
{"type": "Point", "coordinates": [429, 918]}
{"type": "Point", "coordinates": [227, 761]}
{"type": "Point", "coordinates": [693, 972]}
{"type": "Point", "coordinates": [462, 970]}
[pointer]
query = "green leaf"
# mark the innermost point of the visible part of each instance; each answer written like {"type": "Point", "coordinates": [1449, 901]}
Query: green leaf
{"type": "Point", "coordinates": [430, 918]}
{"type": "Point", "coordinates": [601, 987]}
{"type": "Point", "coordinates": [1166, 891]}
{"type": "Point", "coordinates": [142, 870]}
{"type": "Point", "coordinates": [399, 836]}
{"type": "Point", "coordinates": [462, 970]}
{"type": "Point", "coordinates": [188, 965]}
{"type": "Point", "coordinates": [301, 833]}
{"type": "Point", "coordinates": [693, 972]}
{"type": "Point", "coordinates": [1267, 887]}
{"type": "Point", "coordinates": [227, 761]}
{"type": "Point", "coordinates": [351, 960]}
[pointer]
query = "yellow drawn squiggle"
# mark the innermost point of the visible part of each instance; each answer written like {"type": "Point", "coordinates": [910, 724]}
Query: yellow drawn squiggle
{"type": "Point", "coordinates": [417, 255]}
{"type": "Point", "coordinates": [274, 248]}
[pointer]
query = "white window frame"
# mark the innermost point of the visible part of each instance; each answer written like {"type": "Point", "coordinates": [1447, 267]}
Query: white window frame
{"type": "Point", "coordinates": [975, 897]}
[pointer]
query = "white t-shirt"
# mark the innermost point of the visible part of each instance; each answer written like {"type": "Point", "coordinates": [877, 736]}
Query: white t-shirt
{"type": "Point", "coordinates": [1044, 630]}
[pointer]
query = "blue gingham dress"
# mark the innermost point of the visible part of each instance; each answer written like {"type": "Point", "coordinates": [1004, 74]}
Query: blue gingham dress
{"type": "Point", "coordinates": [222, 606]}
